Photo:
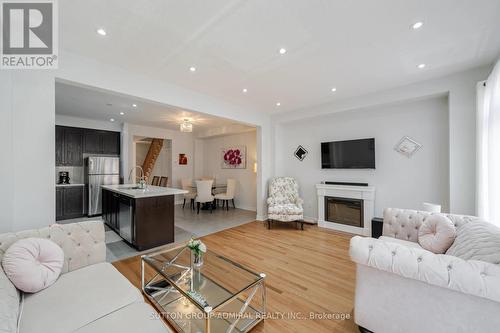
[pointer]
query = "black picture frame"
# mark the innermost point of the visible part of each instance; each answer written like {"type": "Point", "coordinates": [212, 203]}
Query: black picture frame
{"type": "Point", "coordinates": [300, 153]}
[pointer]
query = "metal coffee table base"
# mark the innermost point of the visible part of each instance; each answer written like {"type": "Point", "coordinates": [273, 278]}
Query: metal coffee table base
{"type": "Point", "coordinates": [187, 313]}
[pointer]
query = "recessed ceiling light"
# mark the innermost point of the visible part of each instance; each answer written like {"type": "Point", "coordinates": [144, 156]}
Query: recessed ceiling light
{"type": "Point", "coordinates": [334, 89]}
{"type": "Point", "coordinates": [245, 90]}
{"type": "Point", "coordinates": [417, 25]}
{"type": "Point", "coordinates": [192, 69]}
{"type": "Point", "coordinates": [278, 104]}
{"type": "Point", "coordinates": [421, 66]}
{"type": "Point", "coordinates": [122, 113]}
{"type": "Point", "coordinates": [282, 51]}
{"type": "Point", "coordinates": [112, 119]}
{"type": "Point", "coordinates": [101, 32]}
{"type": "Point", "coordinates": [134, 105]}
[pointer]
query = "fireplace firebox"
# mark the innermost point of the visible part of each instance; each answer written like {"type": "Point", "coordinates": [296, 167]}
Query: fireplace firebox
{"type": "Point", "coordinates": [344, 211]}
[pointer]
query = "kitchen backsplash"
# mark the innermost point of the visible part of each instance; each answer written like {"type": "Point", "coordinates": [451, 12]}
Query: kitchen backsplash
{"type": "Point", "coordinates": [75, 174]}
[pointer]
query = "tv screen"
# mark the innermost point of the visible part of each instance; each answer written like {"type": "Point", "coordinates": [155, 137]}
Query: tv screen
{"type": "Point", "coordinates": [352, 154]}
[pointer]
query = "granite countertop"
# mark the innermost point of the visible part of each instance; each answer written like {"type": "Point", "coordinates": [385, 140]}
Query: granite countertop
{"type": "Point", "coordinates": [149, 191]}
{"type": "Point", "coordinates": [69, 185]}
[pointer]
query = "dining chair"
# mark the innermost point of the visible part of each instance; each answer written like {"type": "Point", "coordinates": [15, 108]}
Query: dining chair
{"type": "Point", "coordinates": [229, 195]}
{"type": "Point", "coordinates": [209, 178]}
{"type": "Point", "coordinates": [204, 194]}
{"type": "Point", "coordinates": [163, 181]}
{"type": "Point", "coordinates": [156, 181]}
{"type": "Point", "coordinates": [187, 184]}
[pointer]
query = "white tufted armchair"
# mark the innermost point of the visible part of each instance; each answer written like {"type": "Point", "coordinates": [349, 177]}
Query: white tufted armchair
{"type": "Point", "coordinates": [284, 204]}
{"type": "Point", "coordinates": [400, 287]}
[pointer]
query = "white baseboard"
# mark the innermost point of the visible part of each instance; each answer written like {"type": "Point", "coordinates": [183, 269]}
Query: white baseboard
{"type": "Point", "coordinates": [261, 218]}
{"type": "Point", "coordinates": [344, 228]}
{"type": "Point", "coordinates": [310, 219]}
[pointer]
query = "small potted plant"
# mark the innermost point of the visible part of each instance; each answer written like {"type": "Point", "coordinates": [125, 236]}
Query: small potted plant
{"type": "Point", "coordinates": [197, 249]}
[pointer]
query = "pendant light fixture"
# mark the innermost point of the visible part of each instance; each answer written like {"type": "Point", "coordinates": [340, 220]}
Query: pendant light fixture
{"type": "Point", "coordinates": [186, 126]}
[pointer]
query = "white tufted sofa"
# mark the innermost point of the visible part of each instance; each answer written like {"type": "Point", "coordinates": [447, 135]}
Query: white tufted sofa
{"type": "Point", "coordinates": [89, 296]}
{"type": "Point", "coordinates": [401, 287]}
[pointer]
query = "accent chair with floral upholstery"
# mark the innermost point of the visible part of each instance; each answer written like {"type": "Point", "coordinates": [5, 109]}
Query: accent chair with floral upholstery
{"type": "Point", "coordinates": [284, 204]}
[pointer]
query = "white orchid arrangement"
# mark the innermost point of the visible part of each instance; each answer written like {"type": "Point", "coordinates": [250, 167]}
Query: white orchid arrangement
{"type": "Point", "coordinates": [197, 246]}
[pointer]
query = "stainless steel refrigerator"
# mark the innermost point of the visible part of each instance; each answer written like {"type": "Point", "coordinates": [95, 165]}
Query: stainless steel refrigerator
{"type": "Point", "coordinates": [100, 171]}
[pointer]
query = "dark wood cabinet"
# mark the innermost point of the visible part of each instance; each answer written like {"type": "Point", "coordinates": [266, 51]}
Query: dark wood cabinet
{"type": "Point", "coordinates": [69, 202]}
{"type": "Point", "coordinates": [73, 146]}
{"type": "Point", "coordinates": [59, 145]}
{"type": "Point", "coordinates": [111, 143]}
{"type": "Point", "coordinates": [143, 222]}
{"type": "Point", "coordinates": [110, 202]}
{"type": "Point", "coordinates": [59, 204]}
{"type": "Point", "coordinates": [101, 142]}
{"type": "Point", "coordinates": [73, 201]}
{"type": "Point", "coordinates": [69, 146]}
{"type": "Point", "coordinates": [73, 142]}
{"type": "Point", "coordinates": [92, 142]}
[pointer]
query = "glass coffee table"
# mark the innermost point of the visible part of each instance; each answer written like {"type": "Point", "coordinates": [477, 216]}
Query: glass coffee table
{"type": "Point", "coordinates": [218, 296]}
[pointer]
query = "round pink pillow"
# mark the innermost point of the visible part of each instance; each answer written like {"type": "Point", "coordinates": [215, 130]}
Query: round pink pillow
{"type": "Point", "coordinates": [33, 264]}
{"type": "Point", "coordinates": [437, 233]}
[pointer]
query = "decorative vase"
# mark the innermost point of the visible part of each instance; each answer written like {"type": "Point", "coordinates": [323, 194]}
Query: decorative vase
{"type": "Point", "coordinates": [197, 259]}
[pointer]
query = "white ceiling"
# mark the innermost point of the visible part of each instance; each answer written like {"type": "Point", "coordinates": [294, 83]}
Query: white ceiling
{"type": "Point", "coordinates": [90, 103]}
{"type": "Point", "coordinates": [358, 46]}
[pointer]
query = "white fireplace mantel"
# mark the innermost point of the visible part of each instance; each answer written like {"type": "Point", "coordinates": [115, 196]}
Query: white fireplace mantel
{"type": "Point", "coordinates": [366, 193]}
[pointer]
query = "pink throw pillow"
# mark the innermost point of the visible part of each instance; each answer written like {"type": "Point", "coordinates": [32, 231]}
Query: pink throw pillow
{"type": "Point", "coordinates": [33, 264]}
{"type": "Point", "coordinates": [437, 233]}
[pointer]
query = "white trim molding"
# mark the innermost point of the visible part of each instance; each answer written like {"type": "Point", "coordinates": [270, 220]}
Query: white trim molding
{"type": "Point", "coordinates": [366, 193]}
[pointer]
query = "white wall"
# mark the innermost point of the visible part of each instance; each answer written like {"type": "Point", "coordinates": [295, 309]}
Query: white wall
{"type": "Point", "coordinates": [27, 136]}
{"type": "Point", "coordinates": [461, 90]}
{"type": "Point", "coordinates": [399, 181]}
{"type": "Point", "coordinates": [246, 178]}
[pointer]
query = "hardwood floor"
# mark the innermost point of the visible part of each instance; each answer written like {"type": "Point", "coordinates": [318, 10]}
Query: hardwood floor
{"type": "Point", "coordinates": [307, 271]}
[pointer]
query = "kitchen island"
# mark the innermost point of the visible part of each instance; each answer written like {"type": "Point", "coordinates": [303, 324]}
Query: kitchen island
{"type": "Point", "coordinates": [142, 217]}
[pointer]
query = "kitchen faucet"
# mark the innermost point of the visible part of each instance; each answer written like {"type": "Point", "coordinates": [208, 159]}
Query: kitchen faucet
{"type": "Point", "coordinates": [142, 181]}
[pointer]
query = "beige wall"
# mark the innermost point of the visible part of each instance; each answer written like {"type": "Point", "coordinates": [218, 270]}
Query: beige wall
{"type": "Point", "coordinates": [209, 164]}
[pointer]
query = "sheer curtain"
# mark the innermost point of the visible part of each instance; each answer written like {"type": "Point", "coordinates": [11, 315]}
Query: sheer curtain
{"type": "Point", "coordinates": [488, 147]}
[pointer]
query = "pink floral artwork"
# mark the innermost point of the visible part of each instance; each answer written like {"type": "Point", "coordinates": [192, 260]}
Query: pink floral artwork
{"type": "Point", "coordinates": [234, 157]}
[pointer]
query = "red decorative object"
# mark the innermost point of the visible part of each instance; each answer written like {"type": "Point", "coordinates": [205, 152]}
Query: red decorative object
{"type": "Point", "coordinates": [234, 158]}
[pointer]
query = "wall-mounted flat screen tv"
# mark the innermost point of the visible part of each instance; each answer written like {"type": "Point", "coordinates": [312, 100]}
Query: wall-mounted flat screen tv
{"type": "Point", "coordinates": [351, 154]}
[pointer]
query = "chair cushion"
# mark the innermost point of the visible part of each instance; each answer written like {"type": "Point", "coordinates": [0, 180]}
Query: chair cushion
{"type": "Point", "coordinates": [33, 264]}
{"type": "Point", "coordinates": [285, 209]}
{"type": "Point", "coordinates": [479, 240]}
{"type": "Point", "coordinates": [136, 317]}
{"type": "Point", "coordinates": [9, 304]}
{"type": "Point", "coordinates": [400, 241]}
{"type": "Point", "coordinates": [223, 196]}
{"type": "Point", "coordinates": [77, 299]}
{"type": "Point", "coordinates": [437, 233]}
{"type": "Point", "coordinates": [203, 200]}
